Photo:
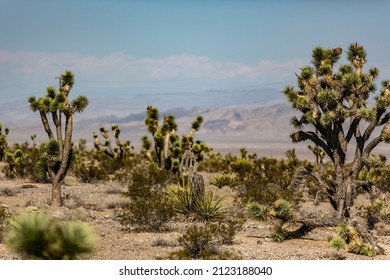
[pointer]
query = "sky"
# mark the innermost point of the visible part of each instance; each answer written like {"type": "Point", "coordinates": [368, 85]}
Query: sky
{"type": "Point", "coordinates": [119, 49]}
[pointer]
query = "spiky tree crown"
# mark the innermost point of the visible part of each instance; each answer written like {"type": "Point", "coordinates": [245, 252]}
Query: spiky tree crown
{"type": "Point", "coordinates": [327, 98]}
{"type": "Point", "coordinates": [58, 101]}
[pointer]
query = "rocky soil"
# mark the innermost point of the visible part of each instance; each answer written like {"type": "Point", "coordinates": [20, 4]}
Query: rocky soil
{"type": "Point", "coordinates": [94, 204]}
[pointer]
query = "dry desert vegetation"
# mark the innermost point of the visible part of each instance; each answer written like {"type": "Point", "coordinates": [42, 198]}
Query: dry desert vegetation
{"type": "Point", "coordinates": [98, 204]}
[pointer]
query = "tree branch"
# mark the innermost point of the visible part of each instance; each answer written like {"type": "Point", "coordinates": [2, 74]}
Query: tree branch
{"type": "Point", "coordinates": [372, 145]}
{"type": "Point", "coordinates": [310, 135]}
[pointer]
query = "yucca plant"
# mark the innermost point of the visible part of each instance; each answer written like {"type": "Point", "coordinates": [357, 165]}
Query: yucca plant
{"type": "Point", "coordinates": [207, 208]}
{"type": "Point", "coordinates": [242, 167]}
{"type": "Point", "coordinates": [257, 211]}
{"type": "Point", "coordinates": [346, 232]}
{"type": "Point", "coordinates": [282, 209]}
{"type": "Point", "coordinates": [187, 203]}
{"type": "Point", "coordinates": [337, 242]}
{"type": "Point", "coordinates": [279, 231]}
{"type": "Point", "coordinates": [221, 180]}
{"type": "Point", "coordinates": [38, 236]}
{"type": "Point", "coordinates": [182, 198]}
{"type": "Point", "coordinates": [358, 246]}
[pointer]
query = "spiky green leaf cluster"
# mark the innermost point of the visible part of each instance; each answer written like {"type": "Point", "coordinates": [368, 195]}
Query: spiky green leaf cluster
{"type": "Point", "coordinates": [36, 235]}
{"type": "Point", "coordinates": [327, 96]}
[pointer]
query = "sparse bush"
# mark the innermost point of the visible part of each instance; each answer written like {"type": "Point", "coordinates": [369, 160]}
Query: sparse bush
{"type": "Point", "coordinates": [38, 236]}
{"type": "Point", "coordinates": [118, 203]}
{"type": "Point", "coordinates": [8, 191]}
{"type": "Point", "coordinates": [267, 181]}
{"type": "Point", "coordinates": [89, 173]}
{"type": "Point", "coordinates": [228, 229]}
{"type": "Point", "coordinates": [150, 206]}
{"type": "Point", "coordinates": [373, 213]}
{"type": "Point", "coordinates": [198, 241]}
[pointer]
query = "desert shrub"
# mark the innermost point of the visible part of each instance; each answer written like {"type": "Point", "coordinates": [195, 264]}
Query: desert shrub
{"type": "Point", "coordinates": [228, 229]}
{"type": "Point", "coordinates": [89, 172]}
{"type": "Point", "coordinates": [4, 215]}
{"type": "Point", "coordinates": [25, 162]}
{"type": "Point", "coordinates": [150, 206]}
{"type": "Point", "coordinates": [373, 213]}
{"type": "Point", "coordinates": [38, 236]}
{"type": "Point", "coordinates": [216, 163]}
{"type": "Point", "coordinates": [267, 181]}
{"type": "Point", "coordinates": [198, 241]}
{"type": "Point", "coordinates": [8, 191]}
{"type": "Point", "coordinates": [279, 214]}
{"type": "Point", "coordinates": [204, 240]}
{"type": "Point", "coordinates": [222, 179]}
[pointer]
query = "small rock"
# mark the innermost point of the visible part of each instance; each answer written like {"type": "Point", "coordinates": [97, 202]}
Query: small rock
{"type": "Point", "coordinates": [31, 209]}
{"type": "Point", "coordinates": [3, 206]}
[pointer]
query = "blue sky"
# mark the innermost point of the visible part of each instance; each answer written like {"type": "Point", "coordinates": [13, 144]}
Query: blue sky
{"type": "Point", "coordinates": [124, 48]}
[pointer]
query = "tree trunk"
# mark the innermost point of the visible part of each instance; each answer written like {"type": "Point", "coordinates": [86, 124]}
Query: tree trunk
{"type": "Point", "coordinates": [56, 199]}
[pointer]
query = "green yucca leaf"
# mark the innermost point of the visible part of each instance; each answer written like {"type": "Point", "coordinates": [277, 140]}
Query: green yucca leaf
{"type": "Point", "coordinates": [80, 103]}
{"type": "Point", "coordinates": [337, 242]}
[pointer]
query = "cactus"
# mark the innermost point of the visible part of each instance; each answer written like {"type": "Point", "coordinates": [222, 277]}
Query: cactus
{"type": "Point", "coordinates": [58, 150]}
{"type": "Point", "coordinates": [122, 151]}
{"type": "Point", "coordinates": [3, 142]}
{"type": "Point", "coordinates": [169, 151]}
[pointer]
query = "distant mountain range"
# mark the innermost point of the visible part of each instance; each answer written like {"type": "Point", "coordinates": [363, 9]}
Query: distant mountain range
{"type": "Point", "coordinates": [258, 120]}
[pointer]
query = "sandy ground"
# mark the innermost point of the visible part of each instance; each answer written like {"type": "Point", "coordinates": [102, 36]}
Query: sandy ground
{"type": "Point", "coordinates": [92, 204]}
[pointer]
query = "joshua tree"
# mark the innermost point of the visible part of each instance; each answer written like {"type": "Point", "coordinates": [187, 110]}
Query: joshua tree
{"type": "Point", "coordinates": [171, 152]}
{"type": "Point", "coordinates": [318, 153]}
{"type": "Point", "coordinates": [3, 142]}
{"type": "Point", "coordinates": [122, 149]}
{"type": "Point", "coordinates": [57, 152]}
{"type": "Point", "coordinates": [336, 111]}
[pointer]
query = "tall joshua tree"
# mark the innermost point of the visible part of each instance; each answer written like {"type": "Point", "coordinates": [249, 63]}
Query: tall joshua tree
{"type": "Point", "coordinates": [335, 111]}
{"type": "Point", "coordinates": [57, 152]}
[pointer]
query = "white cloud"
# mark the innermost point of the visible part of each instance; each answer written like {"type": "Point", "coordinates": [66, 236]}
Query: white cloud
{"type": "Point", "coordinates": [122, 68]}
